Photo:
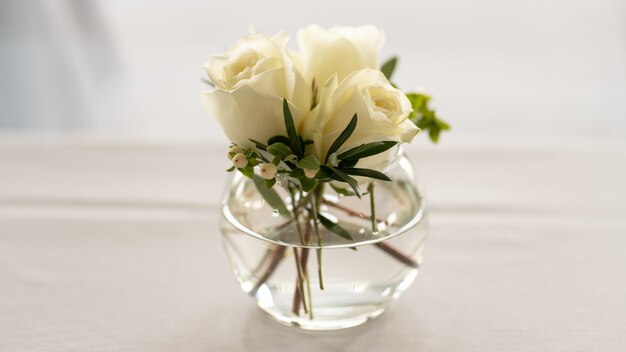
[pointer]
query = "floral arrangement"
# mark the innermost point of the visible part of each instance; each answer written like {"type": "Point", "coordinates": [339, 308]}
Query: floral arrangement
{"type": "Point", "coordinates": [327, 115]}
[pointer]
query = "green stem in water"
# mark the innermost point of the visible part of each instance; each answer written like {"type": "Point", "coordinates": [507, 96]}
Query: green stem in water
{"type": "Point", "coordinates": [301, 278]}
{"type": "Point", "coordinates": [315, 206]}
{"type": "Point", "coordinates": [298, 296]}
{"type": "Point", "coordinates": [296, 211]}
{"type": "Point", "coordinates": [277, 256]}
{"type": "Point", "coordinates": [308, 294]}
{"type": "Point", "coordinates": [370, 189]}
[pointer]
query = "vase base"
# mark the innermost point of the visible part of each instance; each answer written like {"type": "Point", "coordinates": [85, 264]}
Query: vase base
{"type": "Point", "coordinates": [324, 320]}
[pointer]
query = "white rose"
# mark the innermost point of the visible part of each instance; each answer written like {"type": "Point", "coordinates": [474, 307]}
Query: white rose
{"type": "Point", "coordinates": [251, 80]}
{"type": "Point", "coordinates": [338, 50]}
{"type": "Point", "coordinates": [382, 112]}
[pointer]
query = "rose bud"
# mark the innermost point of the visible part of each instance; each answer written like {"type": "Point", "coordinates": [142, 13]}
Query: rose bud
{"type": "Point", "coordinates": [240, 161]}
{"type": "Point", "coordinates": [268, 171]}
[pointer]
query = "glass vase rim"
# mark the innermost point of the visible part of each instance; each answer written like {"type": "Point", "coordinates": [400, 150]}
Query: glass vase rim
{"type": "Point", "coordinates": [232, 220]}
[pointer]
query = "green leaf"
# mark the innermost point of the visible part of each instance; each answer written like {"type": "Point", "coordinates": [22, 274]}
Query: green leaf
{"type": "Point", "coordinates": [348, 163]}
{"type": "Point", "coordinates": [308, 184]}
{"type": "Point", "coordinates": [278, 149]}
{"type": "Point", "coordinates": [426, 118]}
{"type": "Point", "coordinates": [365, 150]}
{"type": "Point", "coordinates": [294, 139]}
{"type": "Point", "coordinates": [342, 138]}
{"type": "Point", "coordinates": [262, 157]}
{"type": "Point", "coordinates": [271, 196]}
{"type": "Point", "coordinates": [366, 173]}
{"type": "Point", "coordinates": [258, 144]}
{"type": "Point", "coordinates": [324, 173]}
{"type": "Point", "coordinates": [418, 102]}
{"type": "Point", "coordinates": [291, 157]}
{"type": "Point", "coordinates": [334, 227]}
{"type": "Point", "coordinates": [296, 173]}
{"type": "Point", "coordinates": [247, 171]}
{"type": "Point", "coordinates": [442, 125]}
{"type": "Point", "coordinates": [253, 162]}
{"type": "Point", "coordinates": [388, 67]}
{"type": "Point", "coordinates": [342, 191]}
{"type": "Point", "coordinates": [232, 168]}
{"type": "Point", "coordinates": [282, 139]}
{"type": "Point", "coordinates": [270, 183]}
{"type": "Point", "coordinates": [341, 176]}
{"type": "Point", "coordinates": [434, 134]}
{"type": "Point", "coordinates": [309, 162]}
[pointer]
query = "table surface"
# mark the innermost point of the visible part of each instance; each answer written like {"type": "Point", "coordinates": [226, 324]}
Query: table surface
{"type": "Point", "coordinates": [114, 246]}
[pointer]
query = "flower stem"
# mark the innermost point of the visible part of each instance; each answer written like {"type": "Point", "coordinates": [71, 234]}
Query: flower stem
{"type": "Point", "coordinates": [318, 195]}
{"type": "Point", "coordinates": [277, 256]}
{"type": "Point", "coordinates": [352, 212]}
{"type": "Point", "coordinates": [296, 212]}
{"type": "Point", "coordinates": [370, 189]}
{"type": "Point", "coordinates": [264, 259]}
{"type": "Point", "coordinates": [308, 285]}
{"type": "Point", "coordinates": [392, 251]}
{"type": "Point", "coordinates": [300, 279]}
{"type": "Point", "coordinates": [298, 296]}
{"type": "Point", "coordinates": [387, 248]}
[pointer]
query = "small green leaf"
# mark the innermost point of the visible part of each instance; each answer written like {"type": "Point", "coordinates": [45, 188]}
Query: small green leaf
{"type": "Point", "coordinates": [426, 118]}
{"type": "Point", "coordinates": [247, 171]}
{"type": "Point", "coordinates": [341, 176]}
{"type": "Point", "coordinates": [278, 149]}
{"type": "Point", "coordinates": [389, 66]}
{"type": "Point", "coordinates": [309, 162]}
{"type": "Point", "coordinates": [308, 184]}
{"type": "Point", "coordinates": [282, 139]}
{"type": "Point", "coordinates": [270, 183]}
{"type": "Point", "coordinates": [347, 163]}
{"type": "Point", "coordinates": [443, 125]}
{"type": "Point", "coordinates": [324, 173]}
{"type": "Point", "coordinates": [296, 173]}
{"type": "Point", "coordinates": [434, 134]}
{"type": "Point", "coordinates": [294, 138]}
{"type": "Point", "coordinates": [365, 150]}
{"type": "Point", "coordinates": [271, 196]}
{"type": "Point", "coordinates": [334, 227]}
{"type": "Point", "coordinates": [276, 160]}
{"type": "Point", "coordinates": [291, 157]}
{"type": "Point", "coordinates": [366, 173]}
{"type": "Point", "coordinates": [259, 144]}
{"type": "Point", "coordinates": [232, 168]}
{"type": "Point", "coordinates": [253, 161]}
{"type": "Point", "coordinates": [342, 191]}
{"type": "Point", "coordinates": [418, 101]}
{"type": "Point", "coordinates": [342, 138]}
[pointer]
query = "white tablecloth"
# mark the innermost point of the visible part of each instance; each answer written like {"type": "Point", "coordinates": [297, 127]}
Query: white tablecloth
{"type": "Point", "coordinates": [115, 247]}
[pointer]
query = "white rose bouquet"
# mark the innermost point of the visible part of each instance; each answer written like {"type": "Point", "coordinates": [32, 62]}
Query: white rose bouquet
{"type": "Point", "coordinates": [327, 115]}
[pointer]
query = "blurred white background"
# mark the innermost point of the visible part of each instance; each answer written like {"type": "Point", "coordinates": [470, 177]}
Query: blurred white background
{"type": "Point", "coordinates": [527, 70]}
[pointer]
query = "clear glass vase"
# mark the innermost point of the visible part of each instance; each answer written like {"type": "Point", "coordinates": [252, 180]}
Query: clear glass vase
{"type": "Point", "coordinates": [360, 277]}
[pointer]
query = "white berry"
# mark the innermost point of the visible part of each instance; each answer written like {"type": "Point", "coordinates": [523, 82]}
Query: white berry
{"type": "Point", "coordinates": [268, 171]}
{"type": "Point", "coordinates": [240, 161]}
